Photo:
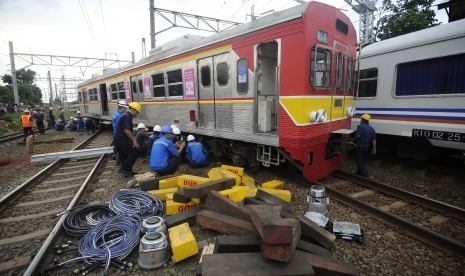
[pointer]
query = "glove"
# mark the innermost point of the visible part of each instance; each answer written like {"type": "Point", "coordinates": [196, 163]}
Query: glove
{"type": "Point", "coordinates": [373, 151]}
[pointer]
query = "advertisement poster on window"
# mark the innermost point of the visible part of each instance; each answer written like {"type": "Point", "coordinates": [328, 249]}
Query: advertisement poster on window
{"type": "Point", "coordinates": [242, 74]}
{"type": "Point", "coordinates": [127, 91]}
{"type": "Point", "coordinates": [108, 93]}
{"type": "Point", "coordinates": [189, 82]}
{"type": "Point", "coordinates": [147, 92]}
{"type": "Point", "coordinates": [98, 94]}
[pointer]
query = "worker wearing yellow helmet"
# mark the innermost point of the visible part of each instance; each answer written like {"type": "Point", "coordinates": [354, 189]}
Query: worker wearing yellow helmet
{"type": "Point", "coordinates": [125, 142]}
{"type": "Point", "coordinates": [365, 138]}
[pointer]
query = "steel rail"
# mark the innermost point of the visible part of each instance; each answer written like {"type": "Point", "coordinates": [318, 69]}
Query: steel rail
{"type": "Point", "coordinates": [441, 207]}
{"type": "Point", "coordinates": [16, 135]}
{"type": "Point", "coordinates": [420, 233]}
{"type": "Point", "coordinates": [40, 259]}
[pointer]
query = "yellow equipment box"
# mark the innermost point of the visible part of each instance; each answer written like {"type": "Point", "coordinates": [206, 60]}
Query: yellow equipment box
{"type": "Point", "coordinates": [228, 174]}
{"type": "Point", "coordinates": [248, 181]}
{"type": "Point", "coordinates": [282, 194]}
{"type": "Point", "coordinates": [273, 184]}
{"type": "Point", "coordinates": [183, 243]}
{"type": "Point", "coordinates": [251, 192]}
{"type": "Point", "coordinates": [186, 181]}
{"type": "Point", "coordinates": [173, 207]}
{"type": "Point", "coordinates": [215, 174]}
{"type": "Point", "coordinates": [161, 194]}
{"type": "Point", "coordinates": [235, 170]}
{"type": "Point", "coordinates": [236, 193]}
{"type": "Point", "coordinates": [171, 182]}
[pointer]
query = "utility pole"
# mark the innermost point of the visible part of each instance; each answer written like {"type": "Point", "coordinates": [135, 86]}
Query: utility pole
{"type": "Point", "coordinates": [152, 24]}
{"type": "Point", "coordinates": [143, 48]}
{"type": "Point", "coordinates": [50, 89]}
{"type": "Point", "coordinates": [252, 14]}
{"type": "Point", "coordinates": [13, 73]}
{"type": "Point", "coordinates": [63, 93]}
{"type": "Point", "coordinates": [366, 10]}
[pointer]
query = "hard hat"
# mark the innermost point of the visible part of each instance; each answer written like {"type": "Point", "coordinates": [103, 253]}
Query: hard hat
{"type": "Point", "coordinates": [71, 117]}
{"type": "Point", "coordinates": [122, 104]}
{"type": "Point", "coordinates": [190, 137]}
{"type": "Point", "coordinates": [26, 111]}
{"type": "Point", "coordinates": [136, 106]}
{"type": "Point", "coordinates": [59, 120]}
{"type": "Point", "coordinates": [51, 108]}
{"type": "Point", "coordinates": [176, 131]}
{"type": "Point", "coordinates": [157, 128]}
{"type": "Point", "coordinates": [62, 110]}
{"type": "Point", "coordinates": [173, 126]}
{"type": "Point", "coordinates": [166, 129]}
{"type": "Point", "coordinates": [78, 112]}
{"type": "Point", "coordinates": [141, 125]}
{"type": "Point", "coordinates": [366, 116]}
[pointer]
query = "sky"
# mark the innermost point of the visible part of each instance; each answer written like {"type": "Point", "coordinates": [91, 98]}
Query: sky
{"type": "Point", "coordinates": [112, 29]}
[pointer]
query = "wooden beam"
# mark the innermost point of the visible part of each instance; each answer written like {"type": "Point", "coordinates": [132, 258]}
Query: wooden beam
{"type": "Point", "coordinates": [180, 197]}
{"type": "Point", "coordinates": [269, 198]}
{"type": "Point", "coordinates": [225, 224]}
{"type": "Point", "coordinates": [188, 216]}
{"type": "Point", "coordinates": [316, 232]}
{"type": "Point", "coordinates": [272, 228]}
{"type": "Point", "coordinates": [313, 248]}
{"type": "Point", "coordinates": [283, 252]}
{"type": "Point", "coordinates": [325, 266]}
{"type": "Point", "coordinates": [152, 183]}
{"type": "Point", "coordinates": [219, 203]}
{"type": "Point", "coordinates": [237, 244]}
{"type": "Point", "coordinates": [202, 191]}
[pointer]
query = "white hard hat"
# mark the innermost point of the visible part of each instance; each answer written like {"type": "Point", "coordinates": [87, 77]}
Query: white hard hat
{"type": "Point", "coordinates": [190, 137]}
{"type": "Point", "coordinates": [78, 112]}
{"type": "Point", "coordinates": [122, 104]}
{"type": "Point", "coordinates": [71, 117]}
{"type": "Point", "coordinates": [176, 131]}
{"type": "Point", "coordinates": [173, 126]}
{"type": "Point", "coordinates": [140, 125]}
{"type": "Point", "coordinates": [157, 128]}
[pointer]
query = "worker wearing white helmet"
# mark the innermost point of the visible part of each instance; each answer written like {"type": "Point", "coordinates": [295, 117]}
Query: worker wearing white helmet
{"type": "Point", "coordinates": [195, 152]}
{"type": "Point", "coordinates": [364, 138]}
{"type": "Point", "coordinates": [141, 138]}
{"type": "Point", "coordinates": [122, 108]}
{"type": "Point", "coordinates": [155, 135]}
{"type": "Point", "coordinates": [165, 158]}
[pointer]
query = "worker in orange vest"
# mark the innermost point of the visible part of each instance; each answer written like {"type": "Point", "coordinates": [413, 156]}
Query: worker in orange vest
{"type": "Point", "coordinates": [26, 119]}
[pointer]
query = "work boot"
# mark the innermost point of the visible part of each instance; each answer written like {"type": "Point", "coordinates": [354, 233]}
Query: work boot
{"type": "Point", "coordinates": [125, 173]}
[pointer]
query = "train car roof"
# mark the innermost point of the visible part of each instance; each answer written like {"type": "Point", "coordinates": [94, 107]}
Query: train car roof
{"type": "Point", "coordinates": [426, 36]}
{"type": "Point", "coordinates": [266, 21]}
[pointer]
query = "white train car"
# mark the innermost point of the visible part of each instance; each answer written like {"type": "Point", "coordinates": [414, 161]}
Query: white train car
{"type": "Point", "coordinates": [413, 86]}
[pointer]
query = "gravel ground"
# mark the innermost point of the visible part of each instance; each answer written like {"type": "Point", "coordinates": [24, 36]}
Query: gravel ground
{"type": "Point", "coordinates": [385, 251]}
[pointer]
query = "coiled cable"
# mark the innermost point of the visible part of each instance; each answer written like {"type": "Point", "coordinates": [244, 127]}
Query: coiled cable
{"type": "Point", "coordinates": [83, 218]}
{"type": "Point", "coordinates": [137, 202]}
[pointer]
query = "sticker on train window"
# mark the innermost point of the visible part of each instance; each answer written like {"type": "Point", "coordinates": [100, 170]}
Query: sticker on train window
{"type": "Point", "coordinates": [439, 135]}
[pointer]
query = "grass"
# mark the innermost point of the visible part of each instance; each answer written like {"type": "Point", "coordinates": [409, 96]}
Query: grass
{"type": "Point", "coordinates": [11, 117]}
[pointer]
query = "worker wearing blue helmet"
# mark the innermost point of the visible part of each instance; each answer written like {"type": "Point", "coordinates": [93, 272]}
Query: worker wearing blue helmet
{"type": "Point", "coordinates": [165, 158]}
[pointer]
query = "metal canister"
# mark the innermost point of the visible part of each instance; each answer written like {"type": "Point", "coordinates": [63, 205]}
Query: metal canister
{"type": "Point", "coordinates": [153, 250]}
{"type": "Point", "coordinates": [317, 200]}
{"type": "Point", "coordinates": [153, 224]}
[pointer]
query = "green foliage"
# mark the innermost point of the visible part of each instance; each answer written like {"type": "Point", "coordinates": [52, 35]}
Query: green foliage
{"type": "Point", "coordinates": [405, 16]}
{"type": "Point", "coordinates": [10, 117]}
{"type": "Point", "coordinates": [28, 92]}
{"type": "Point", "coordinates": [3, 129]}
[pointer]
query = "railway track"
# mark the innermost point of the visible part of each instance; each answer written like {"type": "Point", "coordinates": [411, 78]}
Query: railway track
{"type": "Point", "coordinates": [13, 136]}
{"type": "Point", "coordinates": [27, 216]}
{"type": "Point", "coordinates": [435, 223]}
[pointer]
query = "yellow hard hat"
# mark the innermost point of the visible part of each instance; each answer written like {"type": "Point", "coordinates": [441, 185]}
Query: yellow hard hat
{"type": "Point", "coordinates": [62, 110]}
{"type": "Point", "coordinates": [51, 108]}
{"type": "Point", "coordinates": [26, 111]}
{"type": "Point", "coordinates": [136, 106]}
{"type": "Point", "coordinates": [366, 116]}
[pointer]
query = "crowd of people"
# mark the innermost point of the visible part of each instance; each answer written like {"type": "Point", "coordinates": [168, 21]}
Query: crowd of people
{"type": "Point", "coordinates": [164, 147]}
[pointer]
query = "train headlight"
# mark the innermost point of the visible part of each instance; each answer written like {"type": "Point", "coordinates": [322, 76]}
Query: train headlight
{"type": "Point", "coordinates": [350, 111]}
{"type": "Point", "coordinates": [314, 116]}
{"type": "Point", "coordinates": [322, 115]}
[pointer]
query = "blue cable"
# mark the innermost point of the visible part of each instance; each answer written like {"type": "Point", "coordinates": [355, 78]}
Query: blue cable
{"type": "Point", "coordinates": [137, 202]}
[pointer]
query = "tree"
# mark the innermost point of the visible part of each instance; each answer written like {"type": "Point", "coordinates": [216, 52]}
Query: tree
{"type": "Point", "coordinates": [28, 92]}
{"type": "Point", "coordinates": [404, 17]}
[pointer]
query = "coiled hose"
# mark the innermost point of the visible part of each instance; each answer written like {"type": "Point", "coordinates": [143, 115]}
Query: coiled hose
{"type": "Point", "coordinates": [82, 218]}
{"type": "Point", "coordinates": [137, 202]}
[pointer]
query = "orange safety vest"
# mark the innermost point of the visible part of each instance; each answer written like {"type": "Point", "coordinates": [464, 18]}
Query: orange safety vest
{"type": "Point", "coordinates": [26, 119]}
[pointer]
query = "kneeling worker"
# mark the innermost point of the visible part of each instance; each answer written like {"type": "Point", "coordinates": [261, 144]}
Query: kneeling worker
{"type": "Point", "coordinates": [165, 158]}
{"type": "Point", "coordinates": [195, 152]}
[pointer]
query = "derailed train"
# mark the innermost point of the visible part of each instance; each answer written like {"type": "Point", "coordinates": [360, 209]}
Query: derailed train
{"type": "Point", "coordinates": [280, 87]}
{"type": "Point", "coordinates": [413, 86]}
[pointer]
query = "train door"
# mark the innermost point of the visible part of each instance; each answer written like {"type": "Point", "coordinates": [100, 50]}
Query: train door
{"type": "Point", "coordinates": [267, 87]}
{"type": "Point", "coordinates": [104, 99]}
{"type": "Point", "coordinates": [339, 93]}
{"type": "Point", "coordinates": [137, 94]}
{"type": "Point", "coordinates": [206, 93]}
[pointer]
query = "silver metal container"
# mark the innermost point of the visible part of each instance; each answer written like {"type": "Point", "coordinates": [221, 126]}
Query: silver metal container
{"type": "Point", "coordinates": [317, 200]}
{"type": "Point", "coordinates": [153, 224]}
{"type": "Point", "coordinates": [153, 250]}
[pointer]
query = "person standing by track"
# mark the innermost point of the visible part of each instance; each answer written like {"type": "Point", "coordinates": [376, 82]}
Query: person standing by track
{"type": "Point", "coordinates": [40, 121]}
{"type": "Point", "coordinates": [125, 142]}
{"type": "Point", "coordinates": [364, 138]}
{"type": "Point", "coordinates": [51, 118]}
{"type": "Point", "coordinates": [26, 120]}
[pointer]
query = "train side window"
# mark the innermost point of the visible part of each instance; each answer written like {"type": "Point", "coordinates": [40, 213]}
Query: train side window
{"type": "Point", "coordinates": [340, 70]}
{"type": "Point", "coordinates": [94, 91]}
{"type": "Point", "coordinates": [222, 72]}
{"type": "Point", "coordinates": [367, 83]}
{"type": "Point", "coordinates": [205, 76]}
{"type": "Point", "coordinates": [121, 91]}
{"type": "Point", "coordinates": [114, 91]}
{"type": "Point", "coordinates": [320, 68]}
{"type": "Point", "coordinates": [141, 86]}
{"type": "Point", "coordinates": [133, 86]}
{"type": "Point", "coordinates": [158, 85]}
{"type": "Point", "coordinates": [242, 76]}
{"type": "Point", "coordinates": [175, 87]}
{"type": "Point", "coordinates": [350, 74]}
{"type": "Point", "coordinates": [431, 77]}
{"type": "Point", "coordinates": [80, 97]}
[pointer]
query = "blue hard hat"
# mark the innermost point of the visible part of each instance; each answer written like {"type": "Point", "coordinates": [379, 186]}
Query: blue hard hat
{"type": "Point", "coordinates": [166, 129]}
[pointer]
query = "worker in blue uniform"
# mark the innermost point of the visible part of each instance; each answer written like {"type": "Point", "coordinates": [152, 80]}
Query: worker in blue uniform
{"type": "Point", "coordinates": [195, 152]}
{"type": "Point", "coordinates": [80, 123]}
{"type": "Point", "coordinates": [62, 116]}
{"type": "Point", "coordinates": [165, 158]}
{"type": "Point", "coordinates": [122, 108]}
{"type": "Point", "coordinates": [364, 138]}
{"type": "Point", "coordinates": [155, 135]}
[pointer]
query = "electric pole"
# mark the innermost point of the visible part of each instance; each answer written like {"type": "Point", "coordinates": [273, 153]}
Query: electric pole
{"type": "Point", "coordinates": [13, 73]}
{"type": "Point", "coordinates": [366, 10]}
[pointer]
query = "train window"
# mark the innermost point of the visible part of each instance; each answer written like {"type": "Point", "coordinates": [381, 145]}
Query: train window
{"type": "Point", "coordinates": [133, 86]}
{"type": "Point", "coordinates": [320, 71]}
{"type": "Point", "coordinates": [340, 70]}
{"type": "Point", "coordinates": [141, 86]}
{"type": "Point", "coordinates": [94, 93]}
{"type": "Point", "coordinates": [205, 76]}
{"type": "Point", "coordinates": [242, 76]}
{"type": "Point", "coordinates": [121, 91]}
{"type": "Point", "coordinates": [431, 77]}
{"type": "Point", "coordinates": [114, 91]}
{"type": "Point", "coordinates": [341, 26]}
{"type": "Point", "coordinates": [80, 97]}
{"type": "Point", "coordinates": [158, 85]}
{"type": "Point", "coordinates": [175, 87]}
{"type": "Point", "coordinates": [222, 72]}
{"type": "Point", "coordinates": [350, 74]}
{"type": "Point", "coordinates": [367, 83]}
{"type": "Point", "coordinates": [322, 36]}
